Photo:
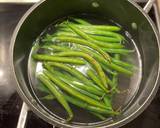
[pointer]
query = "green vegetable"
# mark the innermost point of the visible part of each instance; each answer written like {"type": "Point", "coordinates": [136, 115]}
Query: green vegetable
{"type": "Point", "coordinates": [57, 93]}
{"type": "Point", "coordinates": [82, 42]}
{"type": "Point", "coordinates": [96, 37]}
{"type": "Point", "coordinates": [44, 57]}
{"type": "Point", "coordinates": [93, 27]}
{"type": "Point", "coordinates": [120, 51]}
{"type": "Point", "coordinates": [41, 87]}
{"type": "Point", "coordinates": [48, 97]}
{"type": "Point", "coordinates": [122, 63]}
{"type": "Point", "coordinates": [72, 91]}
{"type": "Point", "coordinates": [90, 87]}
{"type": "Point", "coordinates": [94, 77]}
{"type": "Point", "coordinates": [56, 47]}
{"type": "Point", "coordinates": [93, 63]}
{"type": "Point", "coordinates": [106, 63]}
{"type": "Point", "coordinates": [98, 32]}
{"type": "Point", "coordinates": [75, 46]}
{"type": "Point", "coordinates": [81, 21]}
{"type": "Point", "coordinates": [87, 37]}
{"type": "Point", "coordinates": [91, 108]}
{"type": "Point", "coordinates": [117, 56]}
{"type": "Point", "coordinates": [88, 107]}
{"type": "Point", "coordinates": [93, 96]}
{"type": "Point", "coordinates": [70, 70]}
{"type": "Point", "coordinates": [108, 102]}
{"type": "Point", "coordinates": [66, 81]}
{"type": "Point", "coordinates": [101, 117]}
{"type": "Point", "coordinates": [106, 39]}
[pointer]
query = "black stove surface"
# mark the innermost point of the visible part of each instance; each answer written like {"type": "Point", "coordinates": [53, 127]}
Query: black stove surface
{"type": "Point", "coordinates": [10, 102]}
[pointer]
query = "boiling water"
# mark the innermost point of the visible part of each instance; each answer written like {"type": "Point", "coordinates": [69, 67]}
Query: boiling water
{"type": "Point", "coordinates": [128, 85]}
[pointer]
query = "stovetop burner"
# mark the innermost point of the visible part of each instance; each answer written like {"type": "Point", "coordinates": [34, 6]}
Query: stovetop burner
{"type": "Point", "coordinates": [10, 102]}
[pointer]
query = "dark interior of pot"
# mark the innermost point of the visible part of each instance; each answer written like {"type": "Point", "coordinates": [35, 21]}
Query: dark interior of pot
{"type": "Point", "coordinates": [141, 86]}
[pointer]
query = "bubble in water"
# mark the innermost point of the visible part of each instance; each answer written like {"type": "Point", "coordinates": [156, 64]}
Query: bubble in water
{"type": "Point", "coordinates": [95, 4]}
{"type": "Point", "coordinates": [134, 26]}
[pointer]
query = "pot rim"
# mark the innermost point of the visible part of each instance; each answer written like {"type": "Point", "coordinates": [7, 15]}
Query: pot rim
{"type": "Point", "coordinates": [46, 117]}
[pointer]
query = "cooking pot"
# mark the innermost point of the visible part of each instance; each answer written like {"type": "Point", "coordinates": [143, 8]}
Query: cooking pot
{"type": "Point", "coordinates": [126, 13]}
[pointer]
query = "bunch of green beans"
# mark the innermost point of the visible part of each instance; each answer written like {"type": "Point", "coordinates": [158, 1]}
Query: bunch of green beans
{"type": "Point", "coordinates": [82, 65]}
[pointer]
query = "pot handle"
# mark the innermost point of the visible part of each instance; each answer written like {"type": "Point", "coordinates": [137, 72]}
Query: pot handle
{"type": "Point", "coordinates": [149, 5]}
{"type": "Point", "coordinates": [23, 116]}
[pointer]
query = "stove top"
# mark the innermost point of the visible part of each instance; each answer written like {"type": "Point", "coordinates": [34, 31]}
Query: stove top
{"type": "Point", "coordinates": [11, 106]}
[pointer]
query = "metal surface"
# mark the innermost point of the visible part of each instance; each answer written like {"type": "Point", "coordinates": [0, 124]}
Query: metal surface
{"type": "Point", "coordinates": [23, 116]}
{"type": "Point", "coordinates": [19, 1]}
{"type": "Point", "coordinates": [157, 14]}
{"type": "Point", "coordinates": [149, 5]}
{"type": "Point", "coordinates": [151, 75]}
{"type": "Point", "coordinates": [34, 1]}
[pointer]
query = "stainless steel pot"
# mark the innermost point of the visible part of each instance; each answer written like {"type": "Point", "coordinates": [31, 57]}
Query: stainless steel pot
{"type": "Point", "coordinates": [125, 12]}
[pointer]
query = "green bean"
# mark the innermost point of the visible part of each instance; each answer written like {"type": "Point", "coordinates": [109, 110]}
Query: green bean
{"type": "Point", "coordinates": [74, 72]}
{"type": "Point", "coordinates": [41, 87]}
{"type": "Point", "coordinates": [73, 85]}
{"type": "Point", "coordinates": [110, 82]}
{"type": "Point", "coordinates": [106, 39]}
{"type": "Point", "coordinates": [81, 42]}
{"type": "Point", "coordinates": [120, 51]}
{"type": "Point", "coordinates": [55, 47]}
{"type": "Point", "coordinates": [69, 34]}
{"type": "Point", "coordinates": [90, 52]}
{"type": "Point", "coordinates": [69, 79]}
{"type": "Point", "coordinates": [115, 61]}
{"type": "Point", "coordinates": [117, 56]}
{"type": "Point", "coordinates": [89, 88]}
{"type": "Point", "coordinates": [117, 68]}
{"type": "Point", "coordinates": [48, 38]}
{"type": "Point", "coordinates": [90, 39]}
{"type": "Point", "coordinates": [98, 32]}
{"type": "Point", "coordinates": [93, 63]}
{"type": "Point", "coordinates": [96, 37]}
{"type": "Point", "coordinates": [106, 69]}
{"type": "Point", "coordinates": [48, 97]}
{"type": "Point", "coordinates": [85, 36]}
{"type": "Point", "coordinates": [57, 93]}
{"type": "Point", "coordinates": [86, 106]}
{"type": "Point", "coordinates": [100, 27]}
{"type": "Point", "coordinates": [43, 57]}
{"type": "Point", "coordinates": [105, 33]}
{"type": "Point", "coordinates": [122, 63]}
{"type": "Point", "coordinates": [93, 27]}
{"type": "Point", "coordinates": [94, 77]}
{"type": "Point", "coordinates": [106, 44]}
{"type": "Point", "coordinates": [81, 21]}
{"type": "Point", "coordinates": [70, 70]}
{"type": "Point", "coordinates": [72, 91]}
{"type": "Point", "coordinates": [101, 117]}
{"type": "Point", "coordinates": [115, 81]}
{"type": "Point", "coordinates": [108, 102]}
{"type": "Point", "coordinates": [93, 96]}
{"type": "Point", "coordinates": [115, 77]}
{"type": "Point", "coordinates": [106, 63]}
